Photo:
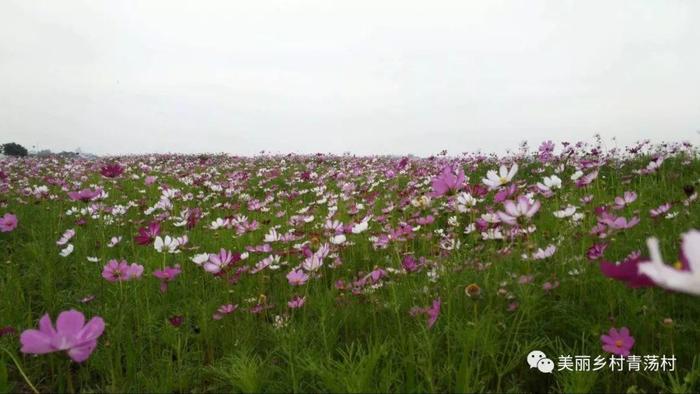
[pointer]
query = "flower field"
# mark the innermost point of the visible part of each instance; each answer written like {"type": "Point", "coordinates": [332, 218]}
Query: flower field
{"type": "Point", "coordinates": [322, 273]}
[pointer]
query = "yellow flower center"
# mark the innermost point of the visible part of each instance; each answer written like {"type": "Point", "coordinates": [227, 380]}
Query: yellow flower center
{"type": "Point", "coordinates": [678, 265]}
{"type": "Point", "coordinates": [618, 343]}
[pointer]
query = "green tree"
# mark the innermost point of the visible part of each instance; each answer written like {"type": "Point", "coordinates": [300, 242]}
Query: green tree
{"type": "Point", "coordinates": [14, 149]}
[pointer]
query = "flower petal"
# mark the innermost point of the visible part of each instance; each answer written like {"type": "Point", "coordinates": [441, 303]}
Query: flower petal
{"type": "Point", "coordinates": [82, 352]}
{"type": "Point", "coordinates": [691, 249]}
{"type": "Point", "coordinates": [35, 342]}
{"type": "Point", "coordinates": [92, 330]}
{"type": "Point", "coordinates": [69, 323]}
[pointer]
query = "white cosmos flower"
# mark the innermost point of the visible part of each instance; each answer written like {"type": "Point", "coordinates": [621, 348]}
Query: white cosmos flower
{"type": "Point", "coordinates": [577, 217]}
{"type": "Point", "coordinates": [272, 236]}
{"type": "Point", "coordinates": [93, 259]}
{"type": "Point", "coordinates": [360, 227]}
{"type": "Point", "coordinates": [421, 202]}
{"type": "Point", "coordinates": [465, 201]}
{"type": "Point", "coordinates": [541, 254]}
{"type": "Point", "coordinates": [576, 175]}
{"type": "Point", "coordinates": [338, 239]}
{"type": "Point", "coordinates": [452, 221]}
{"type": "Point", "coordinates": [495, 180]}
{"type": "Point", "coordinates": [114, 241]}
{"type": "Point", "coordinates": [218, 223]}
{"type": "Point", "coordinates": [550, 183]}
{"type": "Point", "coordinates": [200, 258]}
{"type": "Point", "coordinates": [492, 234]}
{"type": "Point", "coordinates": [67, 250]}
{"type": "Point", "coordinates": [566, 212]}
{"type": "Point", "coordinates": [490, 217]}
{"type": "Point", "coordinates": [168, 244]}
{"type": "Point", "coordinates": [670, 278]}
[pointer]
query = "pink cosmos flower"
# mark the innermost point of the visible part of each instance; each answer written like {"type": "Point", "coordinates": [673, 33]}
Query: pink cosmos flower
{"type": "Point", "coordinates": [619, 223]}
{"type": "Point", "coordinates": [375, 275]}
{"type": "Point", "coordinates": [166, 275]}
{"type": "Point", "coordinates": [587, 179]}
{"type": "Point", "coordinates": [297, 277]}
{"type": "Point", "coordinates": [626, 199]}
{"type": "Point", "coordinates": [549, 286]}
{"type": "Point", "coordinates": [505, 192]}
{"type": "Point", "coordinates": [71, 335]}
{"type": "Point", "coordinates": [8, 223]}
{"type": "Point", "coordinates": [84, 195]}
{"type": "Point", "coordinates": [67, 235]}
{"type": "Point", "coordinates": [525, 279]}
{"type": "Point", "coordinates": [617, 342]}
{"type": "Point", "coordinates": [121, 271]}
{"type": "Point", "coordinates": [432, 312]}
{"type": "Point", "coordinates": [148, 234]}
{"type": "Point", "coordinates": [218, 262]}
{"type": "Point", "coordinates": [541, 254]}
{"type": "Point", "coordinates": [660, 210]}
{"type": "Point", "coordinates": [425, 220]}
{"type": "Point", "coordinates": [522, 208]}
{"type": "Point", "coordinates": [296, 302]}
{"type": "Point", "coordinates": [586, 199]}
{"type": "Point", "coordinates": [450, 179]}
{"type": "Point", "coordinates": [224, 310]}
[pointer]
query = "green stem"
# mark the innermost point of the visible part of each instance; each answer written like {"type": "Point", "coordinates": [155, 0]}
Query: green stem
{"type": "Point", "coordinates": [21, 371]}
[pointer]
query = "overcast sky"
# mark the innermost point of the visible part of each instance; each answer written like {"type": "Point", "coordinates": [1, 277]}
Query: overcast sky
{"type": "Point", "coordinates": [334, 76]}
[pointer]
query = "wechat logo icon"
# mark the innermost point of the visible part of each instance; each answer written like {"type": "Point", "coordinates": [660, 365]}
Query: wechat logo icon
{"type": "Point", "coordinates": [537, 359]}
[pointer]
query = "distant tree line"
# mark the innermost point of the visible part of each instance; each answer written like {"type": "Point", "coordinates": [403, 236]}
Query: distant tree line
{"type": "Point", "coordinates": [17, 150]}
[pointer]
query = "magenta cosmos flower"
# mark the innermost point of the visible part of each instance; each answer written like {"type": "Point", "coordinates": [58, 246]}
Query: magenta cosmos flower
{"type": "Point", "coordinates": [148, 234]}
{"type": "Point", "coordinates": [71, 335]}
{"type": "Point", "coordinates": [121, 271]}
{"type": "Point", "coordinates": [112, 170]}
{"type": "Point", "coordinates": [617, 342]}
{"type": "Point", "coordinates": [596, 251]}
{"type": "Point", "coordinates": [450, 179]}
{"type": "Point", "coordinates": [627, 271]}
{"type": "Point", "coordinates": [8, 223]}
{"type": "Point", "coordinates": [166, 275]}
